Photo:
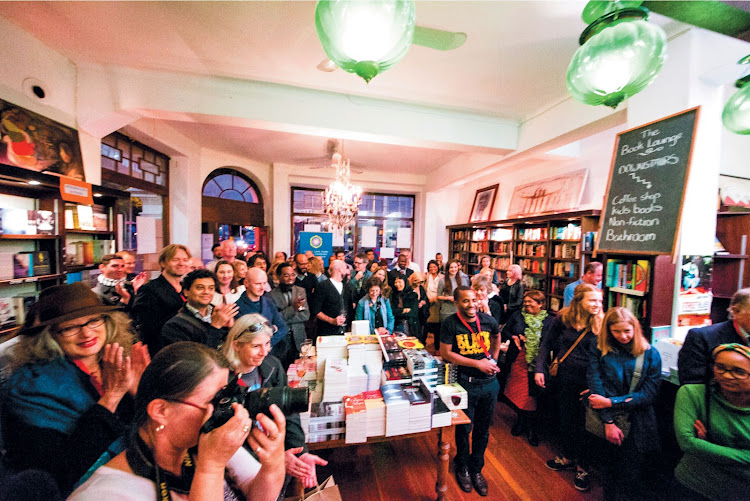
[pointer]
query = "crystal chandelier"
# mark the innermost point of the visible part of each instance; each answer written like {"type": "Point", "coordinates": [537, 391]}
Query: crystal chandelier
{"type": "Point", "coordinates": [342, 199]}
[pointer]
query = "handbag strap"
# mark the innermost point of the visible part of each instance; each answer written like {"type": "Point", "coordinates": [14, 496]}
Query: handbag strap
{"type": "Point", "coordinates": [573, 346]}
{"type": "Point", "coordinates": [637, 372]}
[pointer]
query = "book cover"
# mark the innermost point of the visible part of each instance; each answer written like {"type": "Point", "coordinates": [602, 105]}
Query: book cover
{"type": "Point", "coordinates": [85, 217]}
{"type": "Point", "coordinates": [7, 317]}
{"type": "Point", "coordinates": [6, 265]}
{"type": "Point", "coordinates": [23, 265]}
{"type": "Point", "coordinates": [17, 222]}
{"type": "Point", "coordinates": [100, 221]}
{"type": "Point", "coordinates": [41, 264]}
{"type": "Point", "coordinates": [45, 222]}
{"type": "Point", "coordinates": [640, 277]}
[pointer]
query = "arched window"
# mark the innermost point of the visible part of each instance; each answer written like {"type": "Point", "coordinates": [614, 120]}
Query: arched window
{"type": "Point", "coordinates": [230, 185]}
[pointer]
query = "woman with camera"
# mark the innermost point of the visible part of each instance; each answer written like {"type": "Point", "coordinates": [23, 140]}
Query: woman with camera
{"type": "Point", "coordinates": [173, 402]}
{"type": "Point", "coordinates": [247, 348]}
{"type": "Point", "coordinates": [74, 372]}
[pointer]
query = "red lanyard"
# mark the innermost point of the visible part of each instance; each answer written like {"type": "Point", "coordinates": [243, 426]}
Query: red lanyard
{"type": "Point", "coordinates": [479, 329]}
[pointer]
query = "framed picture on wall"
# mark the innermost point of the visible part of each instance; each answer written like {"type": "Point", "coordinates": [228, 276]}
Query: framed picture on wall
{"type": "Point", "coordinates": [484, 201]}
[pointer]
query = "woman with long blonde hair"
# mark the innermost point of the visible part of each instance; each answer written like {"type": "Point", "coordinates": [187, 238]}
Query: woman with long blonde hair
{"type": "Point", "coordinates": [571, 338]}
{"type": "Point", "coordinates": [622, 352]}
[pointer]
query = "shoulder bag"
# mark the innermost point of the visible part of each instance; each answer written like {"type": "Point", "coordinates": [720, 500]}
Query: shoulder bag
{"type": "Point", "coordinates": [555, 365]}
{"type": "Point", "coordinates": [594, 423]}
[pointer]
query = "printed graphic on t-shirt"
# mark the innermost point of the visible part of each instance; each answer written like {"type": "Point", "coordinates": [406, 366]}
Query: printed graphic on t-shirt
{"type": "Point", "coordinates": [468, 344]}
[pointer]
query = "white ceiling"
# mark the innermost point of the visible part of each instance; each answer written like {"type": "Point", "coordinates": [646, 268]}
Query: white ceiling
{"type": "Point", "coordinates": [512, 65]}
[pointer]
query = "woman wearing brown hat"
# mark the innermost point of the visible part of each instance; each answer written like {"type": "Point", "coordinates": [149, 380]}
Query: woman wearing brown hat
{"type": "Point", "coordinates": [74, 373]}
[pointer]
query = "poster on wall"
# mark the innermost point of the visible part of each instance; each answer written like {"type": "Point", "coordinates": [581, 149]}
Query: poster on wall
{"type": "Point", "coordinates": [318, 242]}
{"type": "Point", "coordinates": [694, 302]}
{"type": "Point", "coordinates": [34, 142]}
{"type": "Point", "coordinates": [555, 194]}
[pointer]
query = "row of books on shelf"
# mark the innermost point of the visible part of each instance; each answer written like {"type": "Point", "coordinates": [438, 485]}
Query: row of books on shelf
{"type": "Point", "coordinates": [565, 269]}
{"type": "Point", "coordinates": [460, 246]}
{"type": "Point", "coordinates": [480, 234]}
{"type": "Point", "coordinates": [24, 264]}
{"type": "Point", "coordinates": [500, 247]}
{"type": "Point", "coordinates": [566, 251]}
{"type": "Point", "coordinates": [13, 309]}
{"type": "Point", "coordinates": [501, 263]}
{"type": "Point", "coordinates": [27, 222]}
{"type": "Point", "coordinates": [628, 274]}
{"type": "Point", "coordinates": [532, 265]}
{"type": "Point", "coordinates": [636, 304]}
{"type": "Point", "coordinates": [528, 249]}
{"type": "Point", "coordinates": [532, 233]}
{"type": "Point", "coordinates": [85, 217]}
{"type": "Point", "coordinates": [568, 232]}
{"type": "Point", "coordinates": [501, 234]}
{"type": "Point", "coordinates": [478, 247]}
{"type": "Point", "coordinates": [537, 283]}
{"type": "Point", "coordinates": [86, 253]}
{"type": "Point", "coordinates": [589, 240]}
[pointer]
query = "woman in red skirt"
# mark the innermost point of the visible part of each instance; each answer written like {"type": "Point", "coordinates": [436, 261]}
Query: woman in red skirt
{"type": "Point", "coordinates": [524, 329]}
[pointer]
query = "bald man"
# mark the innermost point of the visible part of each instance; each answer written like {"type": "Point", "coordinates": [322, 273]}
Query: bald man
{"type": "Point", "coordinates": [254, 301]}
{"type": "Point", "coordinates": [329, 304]}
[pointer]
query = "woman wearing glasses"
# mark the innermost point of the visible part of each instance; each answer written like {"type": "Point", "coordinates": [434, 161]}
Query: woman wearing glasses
{"type": "Point", "coordinates": [75, 371]}
{"type": "Point", "coordinates": [247, 349]}
{"type": "Point", "coordinates": [712, 425]}
{"type": "Point", "coordinates": [161, 461]}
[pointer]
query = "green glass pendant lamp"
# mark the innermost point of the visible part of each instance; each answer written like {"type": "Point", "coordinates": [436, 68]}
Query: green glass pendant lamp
{"type": "Point", "coordinates": [620, 53]}
{"type": "Point", "coordinates": [736, 114]}
{"type": "Point", "coordinates": [365, 37]}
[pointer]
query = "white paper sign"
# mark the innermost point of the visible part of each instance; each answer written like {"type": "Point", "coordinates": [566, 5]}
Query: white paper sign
{"type": "Point", "coordinates": [369, 236]}
{"type": "Point", "coordinates": [146, 237]}
{"type": "Point", "coordinates": [403, 238]}
{"type": "Point", "coordinates": [387, 253]}
{"type": "Point", "coordinates": [312, 227]}
{"type": "Point", "coordinates": [338, 237]}
{"type": "Point", "coordinates": [207, 241]}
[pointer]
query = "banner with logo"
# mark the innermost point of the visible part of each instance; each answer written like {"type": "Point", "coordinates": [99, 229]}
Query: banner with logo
{"type": "Point", "coordinates": [320, 243]}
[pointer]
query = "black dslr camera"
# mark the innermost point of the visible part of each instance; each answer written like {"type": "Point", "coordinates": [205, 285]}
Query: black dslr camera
{"type": "Point", "coordinates": [289, 400]}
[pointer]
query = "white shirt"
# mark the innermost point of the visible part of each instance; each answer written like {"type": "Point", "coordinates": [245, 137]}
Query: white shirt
{"type": "Point", "coordinates": [230, 298]}
{"type": "Point", "coordinates": [339, 285]}
{"type": "Point", "coordinates": [111, 484]}
{"type": "Point", "coordinates": [414, 266]}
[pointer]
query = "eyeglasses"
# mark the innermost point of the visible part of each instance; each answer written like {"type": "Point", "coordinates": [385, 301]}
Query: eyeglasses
{"type": "Point", "coordinates": [735, 372]}
{"type": "Point", "coordinates": [418, 282]}
{"type": "Point", "coordinates": [74, 330]}
{"type": "Point", "coordinates": [185, 402]}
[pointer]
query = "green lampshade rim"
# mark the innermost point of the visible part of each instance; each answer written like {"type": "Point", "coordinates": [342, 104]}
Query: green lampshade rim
{"type": "Point", "coordinates": [740, 83]}
{"type": "Point", "coordinates": [611, 19]}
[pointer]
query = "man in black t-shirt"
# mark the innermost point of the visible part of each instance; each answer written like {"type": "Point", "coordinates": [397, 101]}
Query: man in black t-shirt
{"type": "Point", "coordinates": [471, 340]}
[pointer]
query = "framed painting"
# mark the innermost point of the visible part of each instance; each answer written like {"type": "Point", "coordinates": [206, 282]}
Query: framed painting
{"type": "Point", "coordinates": [554, 194]}
{"type": "Point", "coordinates": [484, 201]}
{"type": "Point", "coordinates": [35, 142]}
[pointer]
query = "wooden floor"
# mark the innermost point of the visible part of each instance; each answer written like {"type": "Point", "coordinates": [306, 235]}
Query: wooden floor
{"type": "Point", "coordinates": [406, 469]}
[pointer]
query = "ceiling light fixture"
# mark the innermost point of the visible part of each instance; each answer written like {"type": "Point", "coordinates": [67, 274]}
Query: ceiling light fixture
{"type": "Point", "coordinates": [736, 114]}
{"type": "Point", "coordinates": [341, 200]}
{"type": "Point", "coordinates": [34, 183]}
{"type": "Point", "coordinates": [365, 37]}
{"type": "Point", "coordinates": [620, 54]}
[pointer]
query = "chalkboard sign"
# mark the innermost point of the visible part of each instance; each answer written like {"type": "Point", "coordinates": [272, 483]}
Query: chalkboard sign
{"type": "Point", "coordinates": [650, 167]}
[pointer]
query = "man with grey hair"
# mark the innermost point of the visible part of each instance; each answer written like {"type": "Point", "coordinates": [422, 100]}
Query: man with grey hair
{"type": "Point", "coordinates": [228, 253]}
{"type": "Point", "coordinates": [694, 361]}
{"type": "Point", "coordinates": [329, 303]}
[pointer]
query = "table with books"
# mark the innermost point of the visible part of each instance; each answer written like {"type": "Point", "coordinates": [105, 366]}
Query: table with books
{"type": "Point", "coordinates": [367, 389]}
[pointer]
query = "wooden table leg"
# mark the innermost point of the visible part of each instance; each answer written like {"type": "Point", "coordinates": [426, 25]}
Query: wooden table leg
{"type": "Point", "coordinates": [442, 466]}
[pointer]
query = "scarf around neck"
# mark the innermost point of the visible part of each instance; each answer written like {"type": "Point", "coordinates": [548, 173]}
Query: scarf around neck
{"type": "Point", "coordinates": [533, 333]}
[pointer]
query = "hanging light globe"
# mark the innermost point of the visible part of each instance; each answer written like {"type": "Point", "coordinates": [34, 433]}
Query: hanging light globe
{"type": "Point", "coordinates": [620, 54]}
{"type": "Point", "coordinates": [736, 114]}
{"type": "Point", "coordinates": [365, 37]}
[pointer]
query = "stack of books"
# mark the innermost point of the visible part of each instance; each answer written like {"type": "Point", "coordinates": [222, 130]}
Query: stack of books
{"type": "Point", "coordinates": [356, 380]}
{"type": "Point", "coordinates": [422, 366]}
{"type": "Point", "coordinates": [363, 349]}
{"type": "Point", "coordinates": [335, 383]}
{"type": "Point", "coordinates": [302, 372]}
{"type": "Point", "coordinates": [356, 419]}
{"type": "Point", "coordinates": [373, 371]}
{"type": "Point", "coordinates": [441, 415]}
{"type": "Point", "coordinates": [396, 410]}
{"type": "Point", "coordinates": [27, 222]}
{"type": "Point", "coordinates": [329, 347]}
{"type": "Point", "coordinates": [375, 413]}
{"type": "Point", "coordinates": [395, 375]}
{"type": "Point", "coordinates": [447, 373]}
{"type": "Point", "coordinates": [420, 408]}
{"type": "Point", "coordinates": [326, 422]}
{"type": "Point", "coordinates": [393, 355]}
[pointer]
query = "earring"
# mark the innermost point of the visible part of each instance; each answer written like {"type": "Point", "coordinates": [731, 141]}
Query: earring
{"type": "Point", "coordinates": [159, 428]}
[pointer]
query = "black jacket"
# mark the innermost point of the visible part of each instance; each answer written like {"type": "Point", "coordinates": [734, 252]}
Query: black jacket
{"type": "Point", "coordinates": [186, 327]}
{"type": "Point", "coordinates": [694, 359]}
{"type": "Point", "coordinates": [156, 302]}
{"type": "Point", "coordinates": [328, 300]}
{"type": "Point", "coordinates": [309, 283]}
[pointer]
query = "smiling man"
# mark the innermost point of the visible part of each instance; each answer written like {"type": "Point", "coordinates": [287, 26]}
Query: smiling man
{"type": "Point", "coordinates": [470, 339]}
{"type": "Point", "coordinates": [199, 320]}
{"type": "Point", "coordinates": [110, 284]}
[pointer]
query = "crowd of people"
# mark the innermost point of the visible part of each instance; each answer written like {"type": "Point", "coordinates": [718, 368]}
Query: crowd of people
{"type": "Point", "coordinates": [105, 390]}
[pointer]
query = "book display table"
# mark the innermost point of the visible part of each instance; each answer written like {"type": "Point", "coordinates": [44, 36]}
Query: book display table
{"type": "Point", "coordinates": [443, 455]}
